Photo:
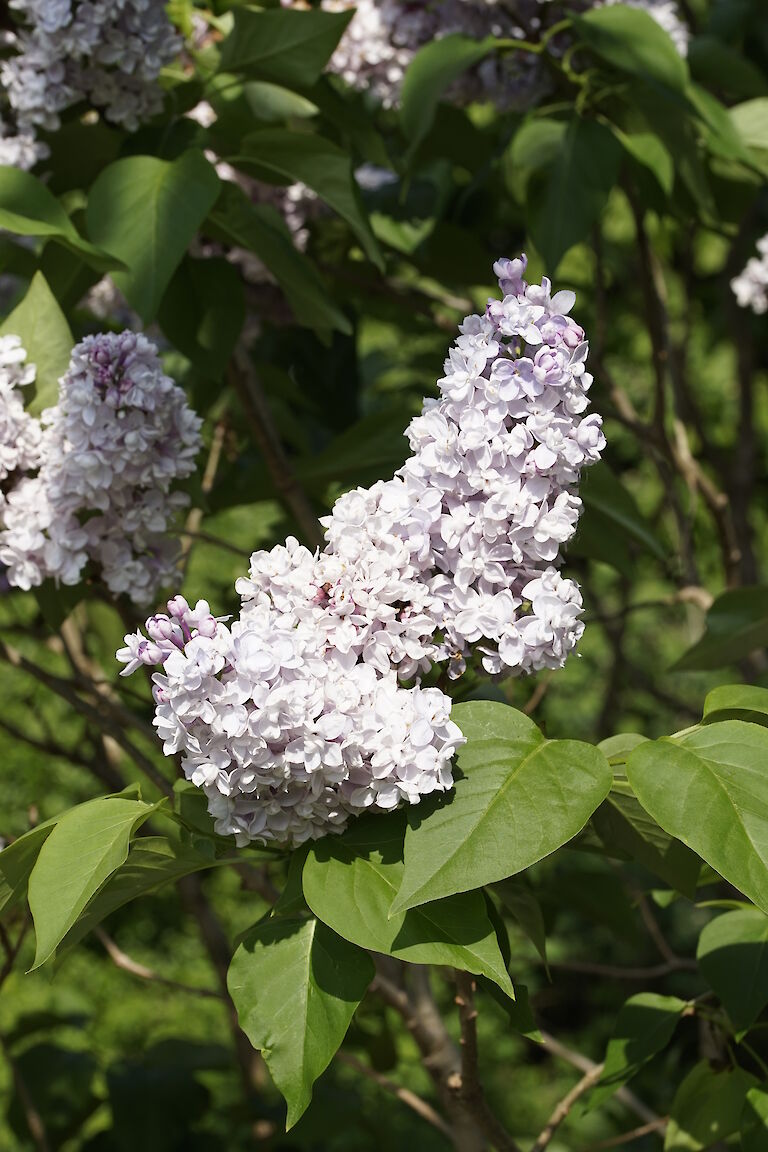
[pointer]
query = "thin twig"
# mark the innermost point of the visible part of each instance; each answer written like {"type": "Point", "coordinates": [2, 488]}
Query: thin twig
{"type": "Point", "coordinates": [101, 717]}
{"type": "Point", "coordinates": [628, 1137]}
{"type": "Point", "coordinates": [617, 972]}
{"type": "Point", "coordinates": [584, 1064]}
{"type": "Point", "coordinates": [248, 387]}
{"type": "Point", "coordinates": [410, 1099]}
{"type": "Point", "coordinates": [127, 964]}
{"type": "Point", "coordinates": [561, 1111]}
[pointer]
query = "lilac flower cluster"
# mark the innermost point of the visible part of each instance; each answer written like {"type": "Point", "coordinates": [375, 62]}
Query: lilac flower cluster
{"type": "Point", "coordinates": [20, 433]}
{"type": "Point", "coordinates": [750, 287]}
{"type": "Point", "coordinates": [295, 716]}
{"type": "Point", "coordinates": [108, 455]}
{"type": "Point", "coordinates": [385, 35]}
{"type": "Point", "coordinates": [108, 53]}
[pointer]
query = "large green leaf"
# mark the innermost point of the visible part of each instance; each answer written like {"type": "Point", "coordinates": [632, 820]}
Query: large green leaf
{"type": "Point", "coordinates": [643, 1027]}
{"type": "Point", "coordinates": [736, 702]}
{"type": "Point", "coordinates": [565, 201]}
{"type": "Point", "coordinates": [17, 862]}
{"type": "Point", "coordinates": [259, 229]}
{"type": "Point", "coordinates": [350, 882]}
{"type": "Point", "coordinates": [733, 956]}
{"type": "Point", "coordinates": [283, 157]}
{"type": "Point", "coordinates": [432, 70]}
{"type": "Point", "coordinates": [295, 985]}
{"type": "Point", "coordinates": [707, 1108]}
{"type": "Point", "coordinates": [632, 41]}
{"type": "Point", "coordinates": [29, 208]}
{"type": "Point", "coordinates": [623, 824]}
{"type": "Point", "coordinates": [87, 845]}
{"type": "Point", "coordinates": [152, 862]}
{"type": "Point", "coordinates": [518, 799]}
{"type": "Point", "coordinates": [203, 311]}
{"type": "Point", "coordinates": [147, 211]}
{"type": "Point", "coordinates": [737, 624]}
{"type": "Point", "coordinates": [709, 788]}
{"type": "Point", "coordinates": [285, 47]}
{"type": "Point", "coordinates": [45, 334]}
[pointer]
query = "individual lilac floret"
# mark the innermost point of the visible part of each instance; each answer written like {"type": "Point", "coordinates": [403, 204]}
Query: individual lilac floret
{"type": "Point", "coordinates": [750, 287]}
{"type": "Point", "coordinates": [121, 435]}
{"type": "Point", "coordinates": [287, 734]}
{"type": "Point", "coordinates": [296, 716]}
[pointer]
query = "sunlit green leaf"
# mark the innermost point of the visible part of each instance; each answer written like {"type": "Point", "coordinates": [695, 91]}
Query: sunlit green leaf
{"type": "Point", "coordinates": [519, 797]}
{"type": "Point", "coordinates": [296, 985]}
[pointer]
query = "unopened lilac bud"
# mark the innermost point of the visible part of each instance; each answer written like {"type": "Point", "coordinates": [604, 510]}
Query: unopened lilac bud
{"type": "Point", "coordinates": [178, 607]}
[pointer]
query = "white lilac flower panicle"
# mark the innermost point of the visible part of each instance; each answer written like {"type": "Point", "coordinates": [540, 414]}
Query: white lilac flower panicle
{"type": "Point", "coordinates": [384, 36]}
{"type": "Point", "coordinates": [111, 450]}
{"type": "Point", "coordinates": [299, 714]}
{"type": "Point", "coordinates": [106, 53]}
{"type": "Point", "coordinates": [750, 287]}
{"type": "Point", "coordinates": [20, 433]}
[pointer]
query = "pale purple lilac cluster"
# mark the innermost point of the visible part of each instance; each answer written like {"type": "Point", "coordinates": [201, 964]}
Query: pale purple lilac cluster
{"type": "Point", "coordinates": [20, 433]}
{"type": "Point", "coordinates": [384, 36]}
{"type": "Point", "coordinates": [108, 456]}
{"type": "Point", "coordinates": [295, 716]}
{"type": "Point", "coordinates": [750, 287]}
{"type": "Point", "coordinates": [106, 53]}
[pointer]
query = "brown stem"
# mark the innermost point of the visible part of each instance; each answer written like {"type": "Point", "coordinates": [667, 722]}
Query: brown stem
{"type": "Point", "coordinates": [410, 1099]}
{"type": "Point", "coordinates": [469, 1089]}
{"type": "Point", "coordinates": [584, 1064]}
{"type": "Point", "coordinates": [628, 1137]}
{"type": "Point", "coordinates": [127, 964]}
{"type": "Point", "coordinates": [562, 1109]}
{"type": "Point", "coordinates": [248, 387]}
{"type": "Point", "coordinates": [101, 717]}
{"type": "Point", "coordinates": [439, 1054]}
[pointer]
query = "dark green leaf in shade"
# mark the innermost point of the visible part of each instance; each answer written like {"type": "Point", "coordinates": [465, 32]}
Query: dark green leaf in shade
{"type": "Point", "coordinates": [633, 42]}
{"type": "Point", "coordinates": [202, 312]}
{"type": "Point", "coordinates": [707, 1108]}
{"type": "Point", "coordinates": [736, 702]}
{"type": "Point", "coordinates": [566, 199]}
{"type": "Point", "coordinates": [284, 47]}
{"type": "Point", "coordinates": [520, 901]}
{"type": "Point", "coordinates": [432, 70]}
{"type": "Point", "coordinates": [644, 1027]}
{"type": "Point", "coordinates": [623, 824]}
{"type": "Point", "coordinates": [350, 883]}
{"type": "Point", "coordinates": [733, 957]}
{"type": "Point", "coordinates": [602, 492]}
{"type": "Point", "coordinates": [709, 788]}
{"type": "Point", "coordinates": [518, 799]}
{"type": "Point", "coordinates": [736, 625]}
{"type": "Point", "coordinates": [296, 985]}
{"type": "Point", "coordinates": [259, 229]}
{"type": "Point", "coordinates": [46, 337]}
{"type": "Point", "coordinates": [283, 157]}
{"type": "Point", "coordinates": [147, 212]}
